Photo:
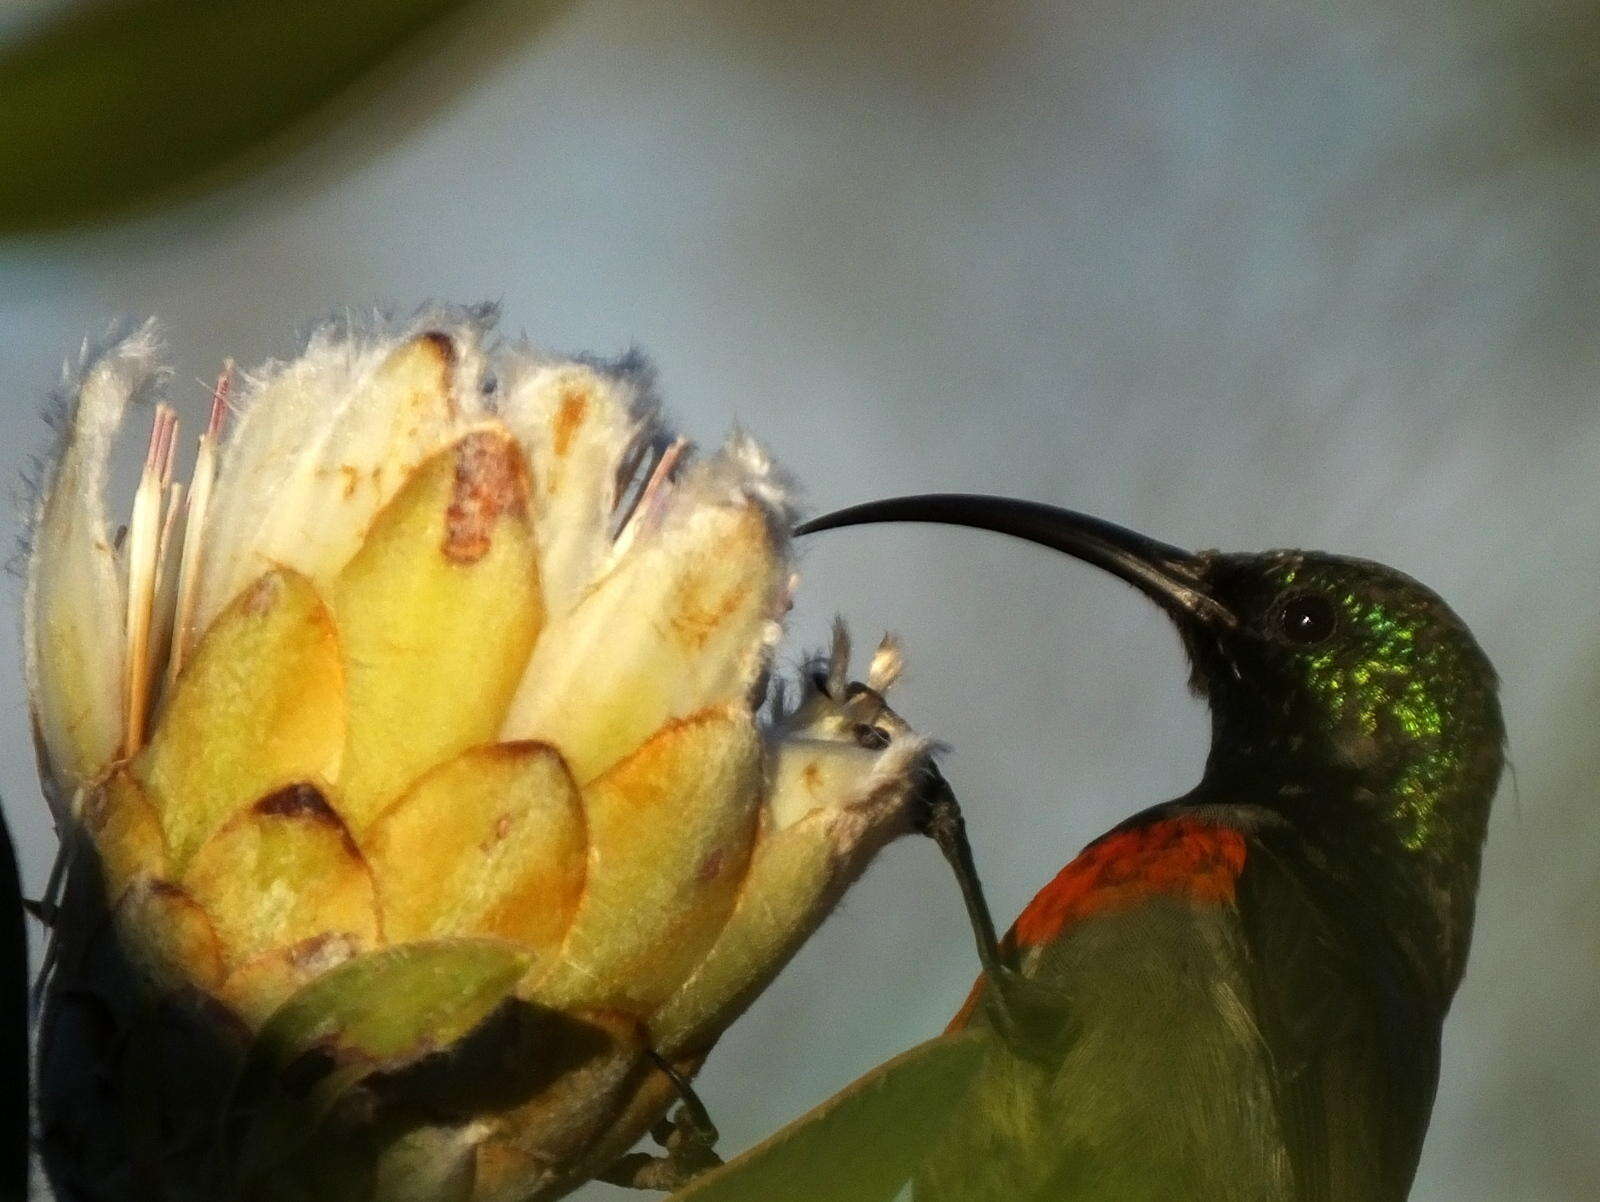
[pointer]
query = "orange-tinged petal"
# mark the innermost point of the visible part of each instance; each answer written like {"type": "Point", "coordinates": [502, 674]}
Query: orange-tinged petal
{"type": "Point", "coordinates": [683, 622]}
{"type": "Point", "coordinates": [283, 871]}
{"type": "Point", "coordinates": [167, 936]}
{"type": "Point", "coordinates": [260, 705]}
{"type": "Point", "coordinates": [437, 614]}
{"type": "Point", "coordinates": [489, 843]}
{"type": "Point", "coordinates": [127, 833]}
{"type": "Point", "coordinates": [670, 830]}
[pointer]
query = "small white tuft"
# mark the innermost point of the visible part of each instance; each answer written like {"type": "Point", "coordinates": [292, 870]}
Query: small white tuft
{"type": "Point", "coordinates": [888, 662]}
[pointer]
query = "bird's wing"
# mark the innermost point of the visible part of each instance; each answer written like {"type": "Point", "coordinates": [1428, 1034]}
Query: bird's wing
{"type": "Point", "coordinates": [1354, 1035]}
{"type": "Point", "coordinates": [1218, 1036]}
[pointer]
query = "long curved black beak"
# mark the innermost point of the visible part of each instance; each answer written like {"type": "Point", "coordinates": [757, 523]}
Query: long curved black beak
{"type": "Point", "coordinates": [1170, 576]}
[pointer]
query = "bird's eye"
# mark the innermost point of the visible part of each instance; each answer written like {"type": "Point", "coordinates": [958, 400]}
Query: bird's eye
{"type": "Point", "coordinates": [1306, 618]}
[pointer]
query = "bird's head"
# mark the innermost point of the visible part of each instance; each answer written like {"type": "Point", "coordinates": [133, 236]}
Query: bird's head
{"type": "Point", "coordinates": [1344, 694]}
{"type": "Point", "coordinates": [1322, 669]}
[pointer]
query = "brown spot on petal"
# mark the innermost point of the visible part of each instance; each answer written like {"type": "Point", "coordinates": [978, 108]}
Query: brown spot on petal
{"type": "Point", "coordinates": [262, 595]}
{"type": "Point", "coordinates": [497, 834]}
{"type": "Point", "coordinates": [711, 866]}
{"type": "Point", "coordinates": [298, 800]}
{"type": "Point", "coordinates": [322, 951]}
{"type": "Point", "coordinates": [445, 354]}
{"type": "Point", "coordinates": [698, 616]}
{"type": "Point", "coordinates": [570, 415]}
{"type": "Point", "coordinates": [441, 344]}
{"type": "Point", "coordinates": [489, 481]}
{"type": "Point", "coordinates": [305, 803]}
{"type": "Point", "coordinates": [162, 888]}
{"type": "Point", "coordinates": [811, 774]}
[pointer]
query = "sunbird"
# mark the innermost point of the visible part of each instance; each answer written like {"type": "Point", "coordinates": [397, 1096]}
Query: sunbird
{"type": "Point", "coordinates": [1238, 994]}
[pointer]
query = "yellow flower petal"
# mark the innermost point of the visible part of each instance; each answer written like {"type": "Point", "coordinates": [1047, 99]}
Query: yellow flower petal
{"type": "Point", "coordinates": [790, 874]}
{"type": "Point", "coordinates": [283, 871]}
{"type": "Point", "coordinates": [437, 614]}
{"type": "Point", "coordinates": [259, 706]}
{"type": "Point", "coordinates": [490, 843]}
{"type": "Point", "coordinates": [320, 447]}
{"type": "Point", "coordinates": [670, 830]}
{"type": "Point", "coordinates": [683, 622]}
{"type": "Point", "coordinates": [830, 806]}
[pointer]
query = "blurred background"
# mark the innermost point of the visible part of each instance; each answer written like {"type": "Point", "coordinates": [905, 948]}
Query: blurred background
{"type": "Point", "coordinates": [1235, 274]}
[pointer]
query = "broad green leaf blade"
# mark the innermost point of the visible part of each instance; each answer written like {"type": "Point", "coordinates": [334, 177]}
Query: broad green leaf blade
{"type": "Point", "coordinates": [864, 1143]}
{"type": "Point", "coordinates": [115, 102]}
{"type": "Point", "coordinates": [13, 1027]}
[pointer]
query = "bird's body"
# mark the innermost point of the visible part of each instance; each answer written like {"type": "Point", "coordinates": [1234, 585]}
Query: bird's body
{"type": "Point", "coordinates": [1221, 1033]}
{"type": "Point", "coordinates": [1238, 995]}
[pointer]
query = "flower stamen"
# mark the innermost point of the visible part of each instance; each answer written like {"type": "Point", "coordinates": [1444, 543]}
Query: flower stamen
{"type": "Point", "coordinates": [649, 499]}
{"type": "Point", "coordinates": [189, 560]}
{"type": "Point", "coordinates": [145, 529]}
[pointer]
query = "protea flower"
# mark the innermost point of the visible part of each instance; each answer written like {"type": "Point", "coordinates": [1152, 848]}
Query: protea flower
{"type": "Point", "coordinates": [421, 807]}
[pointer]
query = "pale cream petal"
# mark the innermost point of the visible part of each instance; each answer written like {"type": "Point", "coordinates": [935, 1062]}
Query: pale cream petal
{"type": "Point", "coordinates": [578, 426]}
{"type": "Point", "coordinates": [670, 830]}
{"type": "Point", "coordinates": [817, 774]}
{"type": "Point", "coordinates": [260, 705]}
{"type": "Point", "coordinates": [437, 615]}
{"type": "Point", "coordinates": [283, 871]}
{"type": "Point", "coordinates": [686, 620]}
{"type": "Point", "coordinates": [322, 444]}
{"type": "Point", "coordinates": [489, 843]}
{"type": "Point", "coordinates": [75, 603]}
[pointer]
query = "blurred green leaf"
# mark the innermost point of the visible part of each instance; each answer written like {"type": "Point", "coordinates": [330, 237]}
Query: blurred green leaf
{"type": "Point", "coordinates": [119, 101]}
{"type": "Point", "coordinates": [13, 1027]}
{"type": "Point", "coordinates": [864, 1143]}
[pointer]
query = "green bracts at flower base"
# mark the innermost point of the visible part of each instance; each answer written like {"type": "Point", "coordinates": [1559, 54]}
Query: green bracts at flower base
{"type": "Point", "coordinates": [419, 800]}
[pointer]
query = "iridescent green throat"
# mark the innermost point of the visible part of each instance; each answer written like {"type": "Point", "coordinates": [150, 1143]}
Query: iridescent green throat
{"type": "Point", "coordinates": [1408, 700]}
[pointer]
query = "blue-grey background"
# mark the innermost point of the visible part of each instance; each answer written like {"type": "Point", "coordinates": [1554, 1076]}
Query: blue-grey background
{"type": "Point", "coordinates": [1236, 274]}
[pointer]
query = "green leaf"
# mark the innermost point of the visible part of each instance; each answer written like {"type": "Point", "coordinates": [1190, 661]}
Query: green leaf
{"type": "Point", "coordinates": [116, 102]}
{"type": "Point", "coordinates": [378, 1013]}
{"type": "Point", "coordinates": [396, 1003]}
{"type": "Point", "coordinates": [13, 1027]}
{"type": "Point", "coordinates": [864, 1143]}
